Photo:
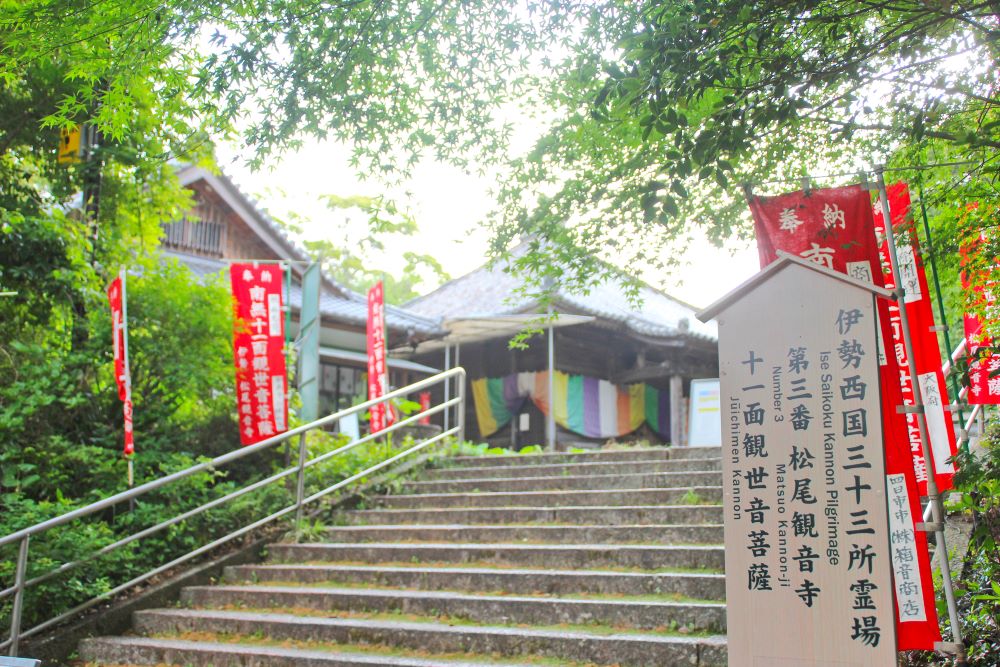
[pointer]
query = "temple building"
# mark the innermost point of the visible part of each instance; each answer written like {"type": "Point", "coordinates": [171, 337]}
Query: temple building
{"type": "Point", "coordinates": [227, 226]}
{"type": "Point", "coordinates": [621, 371]}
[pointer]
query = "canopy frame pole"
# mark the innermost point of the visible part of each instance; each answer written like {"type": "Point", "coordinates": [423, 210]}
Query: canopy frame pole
{"type": "Point", "coordinates": [447, 384]}
{"type": "Point", "coordinates": [459, 391]}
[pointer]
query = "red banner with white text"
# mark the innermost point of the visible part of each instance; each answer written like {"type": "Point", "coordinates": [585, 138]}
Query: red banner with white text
{"type": "Point", "coordinates": [116, 299]}
{"type": "Point", "coordinates": [834, 228]}
{"type": "Point", "coordinates": [258, 349]}
{"type": "Point", "coordinates": [378, 380]}
{"type": "Point", "coordinates": [984, 366]}
{"type": "Point", "coordinates": [926, 352]}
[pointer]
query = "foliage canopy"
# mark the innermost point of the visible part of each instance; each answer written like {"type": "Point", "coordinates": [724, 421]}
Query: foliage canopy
{"type": "Point", "coordinates": [655, 112]}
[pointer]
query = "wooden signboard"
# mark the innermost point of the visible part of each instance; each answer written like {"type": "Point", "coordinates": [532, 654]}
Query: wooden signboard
{"type": "Point", "coordinates": [804, 489]}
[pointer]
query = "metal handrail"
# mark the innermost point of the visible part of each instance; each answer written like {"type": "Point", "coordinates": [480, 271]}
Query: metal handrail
{"type": "Point", "coordinates": [963, 438]}
{"type": "Point", "coordinates": [977, 410]}
{"type": "Point", "coordinates": [23, 537]}
{"type": "Point", "coordinates": [955, 355]}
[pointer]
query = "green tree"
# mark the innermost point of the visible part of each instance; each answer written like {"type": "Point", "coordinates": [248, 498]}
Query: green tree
{"type": "Point", "coordinates": [664, 109]}
{"type": "Point", "coordinates": [426, 75]}
{"type": "Point", "coordinates": [354, 259]}
{"type": "Point", "coordinates": [658, 111]}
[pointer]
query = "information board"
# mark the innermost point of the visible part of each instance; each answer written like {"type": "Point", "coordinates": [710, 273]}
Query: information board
{"type": "Point", "coordinates": [704, 422]}
{"type": "Point", "coordinates": [804, 492]}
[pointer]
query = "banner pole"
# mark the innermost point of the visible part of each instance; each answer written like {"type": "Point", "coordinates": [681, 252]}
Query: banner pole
{"type": "Point", "coordinates": [128, 375]}
{"type": "Point", "coordinates": [446, 415]}
{"type": "Point", "coordinates": [288, 341]}
{"type": "Point", "coordinates": [387, 387]}
{"type": "Point", "coordinates": [937, 290]}
{"type": "Point", "coordinates": [933, 496]}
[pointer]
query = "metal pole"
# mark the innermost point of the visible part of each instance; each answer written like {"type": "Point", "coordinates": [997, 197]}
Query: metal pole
{"type": "Point", "coordinates": [933, 497]}
{"type": "Point", "coordinates": [287, 270]}
{"type": "Point", "coordinates": [288, 309]}
{"type": "Point", "coordinates": [123, 274]}
{"type": "Point", "coordinates": [19, 573]}
{"type": "Point", "coordinates": [550, 419]}
{"type": "Point", "coordinates": [300, 484]}
{"type": "Point", "coordinates": [447, 385]}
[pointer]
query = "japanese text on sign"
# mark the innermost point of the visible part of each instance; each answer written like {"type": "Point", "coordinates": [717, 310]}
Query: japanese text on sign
{"type": "Point", "coordinates": [258, 343]}
{"type": "Point", "coordinates": [806, 533]}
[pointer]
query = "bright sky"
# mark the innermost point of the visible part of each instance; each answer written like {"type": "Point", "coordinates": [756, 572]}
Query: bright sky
{"type": "Point", "coordinates": [448, 206]}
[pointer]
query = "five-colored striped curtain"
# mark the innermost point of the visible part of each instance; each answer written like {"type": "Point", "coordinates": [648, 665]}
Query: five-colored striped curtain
{"type": "Point", "coordinates": [588, 406]}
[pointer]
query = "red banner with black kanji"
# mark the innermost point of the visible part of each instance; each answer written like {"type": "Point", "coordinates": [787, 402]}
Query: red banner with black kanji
{"type": "Point", "coordinates": [258, 350]}
{"type": "Point", "coordinates": [834, 227]}
{"type": "Point", "coordinates": [378, 380]}
{"type": "Point", "coordinates": [926, 351]}
{"type": "Point", "coordinates": [123, 378]}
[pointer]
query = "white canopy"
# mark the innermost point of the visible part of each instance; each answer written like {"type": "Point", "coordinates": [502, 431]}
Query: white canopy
{"type": "Point", "coordinates": [475, 329]}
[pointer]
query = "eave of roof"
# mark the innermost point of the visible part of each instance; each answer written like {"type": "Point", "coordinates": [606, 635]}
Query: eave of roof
{"type": "Point", "coordinates": [486, 292]}
{"type": "Point", "coordinates": [351, 308]}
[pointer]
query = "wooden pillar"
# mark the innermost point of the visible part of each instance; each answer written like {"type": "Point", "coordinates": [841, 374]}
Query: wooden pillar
{"type": "Point", "coordinates": [676, 408]}
{"type": "Point", "coordinates": [550, 419]}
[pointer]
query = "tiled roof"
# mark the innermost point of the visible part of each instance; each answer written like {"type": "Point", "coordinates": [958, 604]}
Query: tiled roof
{"type": "Point", "coordinates": [350, 307]}
{"type": "Point", "coordinates": [491, 291]}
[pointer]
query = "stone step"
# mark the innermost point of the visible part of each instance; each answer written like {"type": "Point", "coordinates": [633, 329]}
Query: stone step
{"type": "Point", "coordinates": [480, 579]}
{"type": "Point", "coordinates": [496, 609]}
{"type": "Point", "coordinates": [624, 649]}
{"type": "Point", "coordinates": [665, 480]}
{"type": "Point", "coordinates": [552, 469]}
{"type": "Point", "coordinates": [615, 515]}
{"type": "Point", "coordinates": [585, 534]}
{"type": "Point", "coordinates": [592, 556]}
{"type": "Point", "coordinates": [695, 452]}
{"type": "Point", "coordinates": [708, 494]}
{"type": "Point", "coordinates": [623, 454]}
{"type": "Point", "coordinates": [164, 651]}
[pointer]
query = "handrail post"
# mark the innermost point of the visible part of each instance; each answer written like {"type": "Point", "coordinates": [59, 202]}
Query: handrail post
{"type": "Point", "coordinates": [19, 574]}
{"type": "Point", "coordinates": [460, 421]}
{"type": "Point", "coordinates": [300, 484]}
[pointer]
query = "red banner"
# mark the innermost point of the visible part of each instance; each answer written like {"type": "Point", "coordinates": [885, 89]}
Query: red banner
{"type": "Point", "coordinates": [258, 348]}
{"type": "Point", "coordinates": [378, 380]}
{"type": "Point", "coordinates": [116, 299]}
{"type": "Point", "coordinates": [425, 405]}
{"type": "Point", "coordinates": [834, 228]}
{"type": "Point", "coordinates": [984, 368]}
{"type": "Point", "coordinates": [926, 352]}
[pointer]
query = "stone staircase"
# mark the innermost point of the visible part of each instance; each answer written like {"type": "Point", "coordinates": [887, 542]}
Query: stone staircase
{"type": "Point", "coordinates": [598, 558]}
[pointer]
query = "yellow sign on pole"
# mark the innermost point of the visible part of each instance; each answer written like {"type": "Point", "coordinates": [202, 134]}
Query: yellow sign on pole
{"type": "Point", "coordinates": [69, 145]}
